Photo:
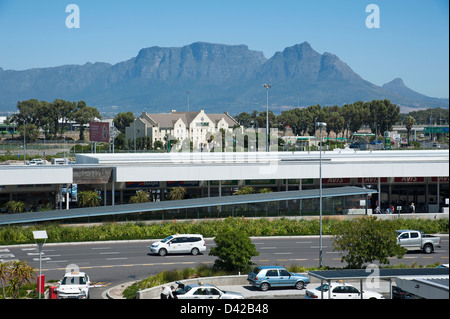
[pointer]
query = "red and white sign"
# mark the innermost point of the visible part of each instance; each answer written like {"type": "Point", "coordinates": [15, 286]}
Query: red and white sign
{"type": "Point", "coordinates": [372, 180]}
{"type": "Point", "coordinates": [409, 179]}
{"type": "Point", "coordinates": [99, 132]}
{"type": "Point", "coordinates": [444, 179]}
{"type": "Point", "coordinates": [336, 181]}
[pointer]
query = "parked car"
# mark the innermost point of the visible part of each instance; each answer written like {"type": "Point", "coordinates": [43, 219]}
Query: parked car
{"type": "Point", "coordinates": [340, 290]}
{"type": "Point", "coordinates": [204, 291]}
{"type": "Point", "coordinates": [361, 145]}
{"type": "Point", "coordinates": [265, 277]}
{"type": "Point", "coordinates": [74, 285]}
{"type": "Point", "coordinates": [179, 244]}
{"type": "Point", "coordinates": [36, 161]}
{"type": "Point", "coordinates": [417, 240]}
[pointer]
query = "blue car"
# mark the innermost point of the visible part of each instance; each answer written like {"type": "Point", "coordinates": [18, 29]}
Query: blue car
{"type": "Point", "coordinates": [265, 277]}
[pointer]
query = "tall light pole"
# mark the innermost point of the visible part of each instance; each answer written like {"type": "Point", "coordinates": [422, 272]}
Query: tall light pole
{"type": "Point", "coordinates": [320, 125]}
{"type": "Point", "coordinates": [24, 141]}
{"type": "Point", "coordinates": [267, 86]}
{"type": "Point", "coordinates": [40, 236]}
{"type": "Point", "coordinates": [187, 91]}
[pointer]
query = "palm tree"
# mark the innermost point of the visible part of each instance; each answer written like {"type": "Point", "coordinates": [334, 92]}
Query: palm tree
{"type": "Point", "coordinates": [4, 277]}
{"type": "Point", "coordinates": [245, 190]}
{"type": "Point", "coordinates": [14, 207]}
{"type": "Point", "coordinates": [141, 197]}
{"type": "Point", "coordinates": [177, 193]}
{"type": "Point", "coordinates": [409, 122]}
{"type": "Point", "coordinates": [88, 199]}
{"type": "Point", "coordinates": [13, 275]}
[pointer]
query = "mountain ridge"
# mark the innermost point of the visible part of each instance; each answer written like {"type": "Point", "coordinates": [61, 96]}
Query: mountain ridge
{"type": "Point", "coordinates": [220, 78]}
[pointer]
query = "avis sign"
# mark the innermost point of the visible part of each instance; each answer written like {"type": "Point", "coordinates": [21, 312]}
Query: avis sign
{"type": "Point", "coordinates": [99, 132]}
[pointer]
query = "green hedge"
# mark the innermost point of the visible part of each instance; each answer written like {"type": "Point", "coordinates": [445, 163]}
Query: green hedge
{"type": "Point", "coordinates": [208, 228]}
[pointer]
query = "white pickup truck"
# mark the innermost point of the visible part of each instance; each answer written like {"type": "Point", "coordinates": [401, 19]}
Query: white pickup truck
{"type": "Point", "coordinates": [417, 240]}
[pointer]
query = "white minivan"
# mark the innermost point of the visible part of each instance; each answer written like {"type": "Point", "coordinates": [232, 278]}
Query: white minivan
{"type": "Point", "coordinates": [179, 244]}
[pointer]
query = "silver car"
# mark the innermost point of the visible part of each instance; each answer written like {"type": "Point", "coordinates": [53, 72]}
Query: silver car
{"type": "Point", "coordinates": [203, 291]}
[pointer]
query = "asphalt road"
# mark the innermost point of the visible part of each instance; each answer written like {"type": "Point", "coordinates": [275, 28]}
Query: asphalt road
{"type": "Point", "coordinates": [113, 263]}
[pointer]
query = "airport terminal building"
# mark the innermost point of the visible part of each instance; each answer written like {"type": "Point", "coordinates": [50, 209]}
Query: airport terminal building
{"type": "Point", "coordinates": [395, 178]}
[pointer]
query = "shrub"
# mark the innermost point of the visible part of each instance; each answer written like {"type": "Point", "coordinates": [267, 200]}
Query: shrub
{"type": "Point", "coordinates": [365, 240]}
{"type": "Point", "coordinates": [233, 250]}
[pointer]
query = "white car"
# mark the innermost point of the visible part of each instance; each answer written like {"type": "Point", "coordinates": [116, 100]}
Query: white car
{"type": "Point", "coordinates": [36, 161]}
{"type": "Point", "coordinates": [204, 291]}
{"type": "Point", "coordinates": [179, 244]}
{"type": "Point", "coordinates": [340, 290]}
{"type": "Point", "coordinates": [74, 285]}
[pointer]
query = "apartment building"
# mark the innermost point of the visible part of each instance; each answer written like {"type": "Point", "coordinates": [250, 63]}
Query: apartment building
{"type": "Point", "coordinates": [195, 127]}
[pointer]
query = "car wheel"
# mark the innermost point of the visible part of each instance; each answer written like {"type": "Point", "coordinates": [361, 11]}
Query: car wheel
{"type": "Point", "coordinates": [195, 251]}
{"type": "Point", "coordinates": [300, 285]}
{"type": "Point", "coordinates": [428, 249]}
{"type": "Point", "coordinates": [162, 252]}
{"type": "Point", "coordinates": [264, 286]}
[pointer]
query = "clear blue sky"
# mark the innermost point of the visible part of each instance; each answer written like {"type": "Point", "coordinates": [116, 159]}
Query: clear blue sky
{"type": "Point", "coordinates": [411, 43]}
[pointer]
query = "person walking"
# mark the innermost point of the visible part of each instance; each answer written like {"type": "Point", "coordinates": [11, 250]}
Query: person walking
{"type": "Point", "coordinates": [166, 293]}
{"type": "Point", "coordinates": [413, 208]}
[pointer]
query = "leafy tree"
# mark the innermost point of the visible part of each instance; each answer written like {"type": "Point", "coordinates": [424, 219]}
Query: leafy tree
{"type": "Point", "coordinates": [158, 145]}
{"type": "Point", "coordinates": [85, 114]}
{"type": "Point", "coordinates": [366, 240]}
{"type": "Point", "coordinates": [355, 115]}
{"type": "Point", "coordinates": [334, 120]}
{"type": "Point", "coordinates": [31, 132]}
{"type": "Point", "coordinates": [233, 250]}
{"type": "Point", "coordinates": [383, 115]}
{"type": "Point", "coordinates": [262, 119]}
{"type": "Point", "coordinates": [245, 119]}
{"type": "Point", "coordinates": [122, 120]}
{"type": "Point", "coordinates": [88, 199]}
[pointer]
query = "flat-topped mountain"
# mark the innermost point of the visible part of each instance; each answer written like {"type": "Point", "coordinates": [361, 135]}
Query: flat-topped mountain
{"type": "Point", "coordinates": [219, 78]}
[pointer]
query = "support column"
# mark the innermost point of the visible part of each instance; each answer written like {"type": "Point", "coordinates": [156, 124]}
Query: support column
{"type": "Point", "coordinates": [437, 195]}
{"type": "Point", "coordinates": [67, 196]}
{"type": "Point", "coordinates": [113, 191]}
{"type": "Point", "coordinates": [379, 192]}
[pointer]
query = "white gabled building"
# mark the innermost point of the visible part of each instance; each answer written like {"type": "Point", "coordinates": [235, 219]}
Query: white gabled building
{"type": "Point", "coordinates": [196, 127]}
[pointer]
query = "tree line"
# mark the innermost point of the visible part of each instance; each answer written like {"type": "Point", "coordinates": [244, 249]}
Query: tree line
{"type": "Point", "coordinates": [378, 115]}
{"type": "Point", "coordinates": [34, 116]}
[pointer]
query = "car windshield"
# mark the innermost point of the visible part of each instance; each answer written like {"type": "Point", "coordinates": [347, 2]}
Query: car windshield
{"type": "Point", "coordinates": [166, 239]}
{"type": "Point", "coordinates": [183, 290]}
{"type": "Point", "coordinates": [325, 287]}
{"type": "Point", "coordinates": [73, 281]}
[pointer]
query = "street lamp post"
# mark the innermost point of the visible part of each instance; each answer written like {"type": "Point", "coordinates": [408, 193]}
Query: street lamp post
{"type": "Point", "coordinates": [40, 236]}
{"type": "Point", "coordinates": [320, 125]}
{"type": "Point", "coordinates": [188, 92]}
{"type": "Point", "coordinates": [267, 86]}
